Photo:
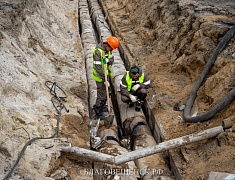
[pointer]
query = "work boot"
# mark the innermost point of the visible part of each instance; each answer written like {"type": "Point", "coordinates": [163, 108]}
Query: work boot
{"type": "Point", "coordinates": [137, 109]}
{"type": "Point", "coordinates": [99, 112]}
{"type": "Point", "coordinates": [104, 106]}
{"type": "Point", "coordinates": [138, 106]}
{"type": "Point", "coordinates": [131, 104]}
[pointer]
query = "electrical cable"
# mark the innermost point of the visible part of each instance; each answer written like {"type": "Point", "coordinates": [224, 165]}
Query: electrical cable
{"type": "Point", "coordinates": [58, 108]}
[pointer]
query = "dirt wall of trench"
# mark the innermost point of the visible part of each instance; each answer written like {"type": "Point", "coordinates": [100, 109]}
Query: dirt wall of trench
{"type": "Point", "coordinates": [172, 41]}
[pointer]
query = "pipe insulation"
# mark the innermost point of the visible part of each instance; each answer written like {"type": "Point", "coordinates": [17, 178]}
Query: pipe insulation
{"type": "Point", "coordinates": [142, 138]}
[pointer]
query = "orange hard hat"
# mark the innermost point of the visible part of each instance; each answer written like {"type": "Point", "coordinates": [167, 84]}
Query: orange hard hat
{"type": "Point", "coordinates": [113, 42]}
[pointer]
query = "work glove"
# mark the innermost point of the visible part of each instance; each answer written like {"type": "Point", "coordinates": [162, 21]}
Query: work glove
{"type": "Point", "coordinates": [135, 87]}
{"type": "Point", "coordinates": [105, 60]}
{"type": "Point", "coordinates": [133, 98]}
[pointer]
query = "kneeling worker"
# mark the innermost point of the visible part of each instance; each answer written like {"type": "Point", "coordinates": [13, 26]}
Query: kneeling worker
{"type": "Point", "coordinates": [134, 85]}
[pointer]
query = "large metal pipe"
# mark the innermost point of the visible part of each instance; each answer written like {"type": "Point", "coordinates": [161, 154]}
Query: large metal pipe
{"type": "Point", "coordinates": [142, 138]}
{"type": "Point", "coordinates": [88, 42]}
{"type": "Point", "coordinates": [129, 117]}
{"type": "Point", "coordinates": [103, 139]}
{"type": "Point", "coordinates": [143, 152]}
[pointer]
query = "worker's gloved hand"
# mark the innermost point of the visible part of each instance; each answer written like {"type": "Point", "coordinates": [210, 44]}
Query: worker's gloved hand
{"type": "Point", "coordinates": [107, 83]}
{"type": "Point", "coordinates": [133, 98]}
{"type": "Point", "coordinates": [135, 87]}
{"type": "Point", "coordinates": [105, 60]}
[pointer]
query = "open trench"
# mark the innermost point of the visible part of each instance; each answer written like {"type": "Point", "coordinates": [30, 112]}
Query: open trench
{"type": "Point", "coordinates": [133, 146]}
{"type": "Point", "coordinates": [129, 130]}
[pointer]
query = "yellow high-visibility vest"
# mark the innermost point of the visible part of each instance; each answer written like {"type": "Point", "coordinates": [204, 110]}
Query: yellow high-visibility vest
{"type": "Point", "coordinates": [95, 75]}
{"type": "Point", "coordinates": [129, 80]}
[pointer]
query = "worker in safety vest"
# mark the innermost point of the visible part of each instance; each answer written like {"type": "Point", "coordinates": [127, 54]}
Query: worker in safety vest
{"type": "Point", "coordinates": [102, 55]}
{"type": "Point", "coordinates": [134, 85]}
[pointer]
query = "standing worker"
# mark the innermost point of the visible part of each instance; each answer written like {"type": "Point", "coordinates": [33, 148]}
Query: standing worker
{"type": "Point", "coordinates": [102, 55]}
{"type": "Point", "coordinates": [134, 85]}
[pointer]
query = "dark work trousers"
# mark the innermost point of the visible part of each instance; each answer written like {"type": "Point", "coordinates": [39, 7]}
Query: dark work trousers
{"type": "Point", "coordinates": [141, 94]}
{"type": "Point", "coordinates": [101, 94]}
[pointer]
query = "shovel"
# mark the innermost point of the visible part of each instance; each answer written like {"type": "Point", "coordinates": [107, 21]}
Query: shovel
{"type": "Point", "coordinates": [108, 121]}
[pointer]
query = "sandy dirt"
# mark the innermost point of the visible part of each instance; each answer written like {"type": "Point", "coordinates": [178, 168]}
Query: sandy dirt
{"type": "Point", "coordinates": [172, 41]}
{"type": "Point", "coordinates": [173, 45]}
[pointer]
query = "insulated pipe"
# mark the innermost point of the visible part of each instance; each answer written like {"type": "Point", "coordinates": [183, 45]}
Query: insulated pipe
{"type": "Point", "coordinates": [104, 31]}
{"type": "Point", "coordinates": [142, 138]}
{"type": "Point", "coordinates": [127, 114]}
{"type": "Point", "coordinates": [143, 152]}
{"type": "Point", "coordinates": [109, 135]}
{"type": "Point", "coordinates": [88, 43]}
{"type": "Point", "coordinates": [111, 146]}
{"type": "Point", "coordinates": [109, 140]}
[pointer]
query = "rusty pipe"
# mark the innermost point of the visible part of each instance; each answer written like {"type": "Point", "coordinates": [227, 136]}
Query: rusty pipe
{"type": "Point", "coordinates": [143, 152]}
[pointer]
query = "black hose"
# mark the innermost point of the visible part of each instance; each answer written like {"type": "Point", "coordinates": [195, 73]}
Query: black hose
{"type": "Point", "coordinates": [55, 100]}
{"type": "Point", "coordinates": [225, 101]}
{"type": "Point", "coordinates": [22, 152]}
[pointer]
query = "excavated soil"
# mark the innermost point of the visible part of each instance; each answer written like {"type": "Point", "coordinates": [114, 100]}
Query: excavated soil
{"type": "Point", "coordinates": [171, 40]}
